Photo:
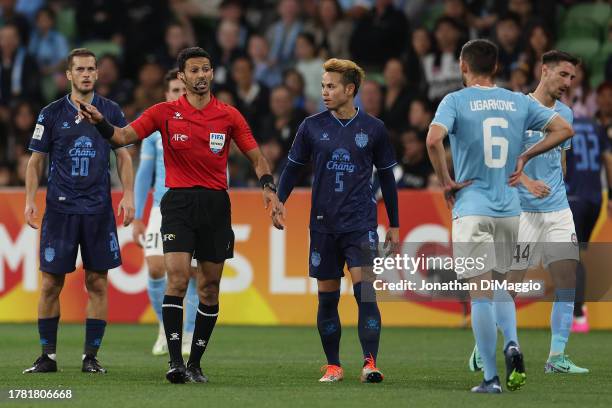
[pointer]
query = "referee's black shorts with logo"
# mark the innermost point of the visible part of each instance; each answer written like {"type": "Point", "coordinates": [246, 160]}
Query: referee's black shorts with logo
{"type": "Point", "coordinates": [198, 220]}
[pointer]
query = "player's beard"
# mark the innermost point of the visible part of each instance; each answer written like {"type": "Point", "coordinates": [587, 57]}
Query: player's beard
{"type": "Point", "coordinates": [83, 90]}
{"type": "Point", "coordinates": [200, 87]}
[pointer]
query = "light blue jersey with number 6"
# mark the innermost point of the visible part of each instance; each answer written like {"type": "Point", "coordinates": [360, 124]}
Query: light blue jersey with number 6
{"type": "Point", "coordinates": [487, 126]}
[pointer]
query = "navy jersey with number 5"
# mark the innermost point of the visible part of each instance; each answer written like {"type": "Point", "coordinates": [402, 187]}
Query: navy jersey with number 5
{"type": "Point", "coordinates": [79, 169]}
{"type": "Point", "coordinates": [343, 154]}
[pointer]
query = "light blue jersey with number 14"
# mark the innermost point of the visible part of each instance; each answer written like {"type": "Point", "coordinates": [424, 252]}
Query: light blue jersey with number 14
{"type": "Point", "coordinates": [487, 129]}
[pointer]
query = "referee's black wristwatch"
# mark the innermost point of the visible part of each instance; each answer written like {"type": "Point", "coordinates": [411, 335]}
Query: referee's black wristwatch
{"type": "Point", "coordinates": [268, 181]}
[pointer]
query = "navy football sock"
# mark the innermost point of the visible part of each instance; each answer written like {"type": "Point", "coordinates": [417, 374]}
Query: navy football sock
{"type": "Point", "coordinates": [369, 323]}
{"type": "Point", "coordinates": [94, 332]}
{"type": "Point", "coordinates": [328, 323]}
{"type": "Point", "coordinates": [47, 330]}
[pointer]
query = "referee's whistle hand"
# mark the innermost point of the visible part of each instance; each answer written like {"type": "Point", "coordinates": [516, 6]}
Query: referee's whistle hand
{"type": "Point", "coordinates": [31, 214]}
{"type": "Point", "coordinates": [89, 112]}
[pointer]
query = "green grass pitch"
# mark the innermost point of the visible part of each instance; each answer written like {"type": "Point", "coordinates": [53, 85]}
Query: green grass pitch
{"type": "Point", "coordinates": [279, 367]}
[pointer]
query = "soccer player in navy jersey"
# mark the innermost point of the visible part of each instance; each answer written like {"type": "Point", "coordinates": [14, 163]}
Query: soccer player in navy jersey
{"type": "Point", "coordinates": [79, 213]}
{"type": "Point", "coordinates": [344, 143]}
{"type": "Point", "coordinates": [196, 221]}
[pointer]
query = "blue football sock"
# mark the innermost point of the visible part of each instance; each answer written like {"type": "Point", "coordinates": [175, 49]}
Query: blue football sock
{"type": "Point", "coordinates": [505, 315]}
{"type": "Point", "coordinates": [47, 329]}
{"type": "Point", "coordinates": [94, 332]}
{"type": "Point", "coordinates": [328, 323]}
{"type": "Point", "coordinates": [191, 306]}
{"type": "Point", "coordinates": [156, 289]}
{"type": "Point", "coordinates": [485, 332]}
{"type": "Point", "coordinates": [369, 323]}
{"type": "Point", "coordinates": [561, 318]}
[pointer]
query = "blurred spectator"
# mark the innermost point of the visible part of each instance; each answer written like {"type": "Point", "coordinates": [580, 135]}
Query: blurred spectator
{"type": "Point", "coordinates": [538, 42]}
{"type": "Point", "coordinates": [356, 9]}
{"type": "Point", "coordinates": [20, 169]}
{"type": "Point", "coordinates": [252, 96]}
{"type": "Point", "coordinates": [48, 46]}
{"type": "Point", "coordinates": [519, 79]}
{"type": "Point", "coordinates": [19, 76]}
{"type": "Point", "coordinates": [330, 30]}
{"type": "Point", "coordinates": [272, 150]}
{"type": "Point", "coordinates": [150, 88]}
{"type": "Point", "coordinates": [580, 97]}
{"type": "Point", "coordinates": [458, 11]}
{"type": "Point", "coordinates": [233, 10]}
{"type": "Point", "coordinates": [419, 46]}
{"type": "Point", "coordinates": [415, 166]}
{"type": "Point", "coordinates": [311, 67]}
{"type": "Point", "coordinates": [100, 20]}
{"type": "Point", "coordinates": [523, 9]}
{"type": "Point", "coordinates": [110, 83]}
{"type": "Point", "coordinates": [508, 33]}
{"type": "Point", "coordinates": [226, 95]}
{"type": "Point", "coordinates": [6, 174]}
{"type": "Point", "coordinates": [225, 50]}
{"type": "Point", "coordinates": [265, 72]}
{"type": "Point", "coordinates": [294, 81]}
{"type": "Point", "coordinates": [282, 35]}
{"type": "Point", "coordinates": [441, 67]}
{"type": "Point", "coordinates": [420, 114]}
{"type": "Point", "coordinates": [604, 103]}
{"type": "Point", "coordinates": [177, 37]}
{"type": "Point", "coordinates": [283, 120]}
{"type": "Point", "coordinates": [10, 14]}
{"type": "Point", "coordinates": [371, 97]}
{"type": "Point", "coordinates": [397, 95]}
{"type": "Point", "coordinates": [23, 119]}
{"type": "Point", "coordinates": [381, 34]}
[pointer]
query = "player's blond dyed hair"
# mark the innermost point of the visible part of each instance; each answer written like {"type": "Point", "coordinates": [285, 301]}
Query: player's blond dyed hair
{"type": "Point", "coordinates": [350, 71]}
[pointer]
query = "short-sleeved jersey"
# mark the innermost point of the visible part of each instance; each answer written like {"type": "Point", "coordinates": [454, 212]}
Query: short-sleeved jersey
{"type": "Point", "coordinates": [79, 167]}
{"type": "Point", "coordinates": [343, 156]}
{"type": "Point", "coordinates": [487, 126]}
{"type": "Point", "coordinates": [547, 168]}
{"type": "Point", "coordinates": [583, 161]}
{"type": "Point", "coordinates": [152, 149]}
{"type": "Point", "coordinates": [196, 142]}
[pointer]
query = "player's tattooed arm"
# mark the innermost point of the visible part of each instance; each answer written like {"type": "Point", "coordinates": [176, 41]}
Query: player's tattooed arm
{"type": "Point", "coordinates": [117, 136]}
{"type": "Point", "coordinates": [33, 172]}
{"type": "Point", "coordinates": [126, 175]}
{"type": "Point", "coordinates": [437, 155]}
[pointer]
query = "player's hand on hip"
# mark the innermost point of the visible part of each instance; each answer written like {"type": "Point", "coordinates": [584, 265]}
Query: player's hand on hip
{"type": "Point", "coordinates": [138, 231]}
{"type": "Point", "coordinates": [451, 188]}
{"type": "Point", "coordinates": [278, 216]}
{"type": "Point", "coordinates": [392, 241]}
{"type": "Point", "coordinates": [538, 188]}
{"type": "Point", "coordinates": [90, 112]}
{"type": "Point", "coordinates": [516, 176]}
{"type": "Point", "coordinates": [126, 206]}
{"type": "Point", "coordinates": [31, 213]}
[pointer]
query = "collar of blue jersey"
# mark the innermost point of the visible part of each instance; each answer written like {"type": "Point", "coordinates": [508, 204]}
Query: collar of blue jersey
{"type": "Point", "coordinates": [350, 120]}
{"type": "Point", "coordinates": [485, 87]}
{"type": "Point", "coordinates": [93, 101]}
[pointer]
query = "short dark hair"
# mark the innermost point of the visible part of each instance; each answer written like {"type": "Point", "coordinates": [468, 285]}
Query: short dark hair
{"type": "Point", "coordinates": [46, 10]}
{"type": "Point", "coordinates": [244, 57]}
{"type": "Point", "coordinates": [79, 52]}
{"type": "Point", "coordinates": [170, 76]}
{"type": "Point", "coordinates": [480, 55]}
{"type": "Point", "coordinates": [188, 53]}
{"type": "Point", "coordinates": [510, 16]}
{"type": "Point", "coordinates": [554, 57]}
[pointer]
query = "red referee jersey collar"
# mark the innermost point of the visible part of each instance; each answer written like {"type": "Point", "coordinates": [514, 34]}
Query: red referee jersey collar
{"type": "Point", "coordinates": [192, 109]}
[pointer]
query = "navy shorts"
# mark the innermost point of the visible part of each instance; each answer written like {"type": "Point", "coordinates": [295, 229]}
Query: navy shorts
{"type": "Point", "coordinates": [329, 252]}
{"type": "Point", "coordinates": [62, 234]}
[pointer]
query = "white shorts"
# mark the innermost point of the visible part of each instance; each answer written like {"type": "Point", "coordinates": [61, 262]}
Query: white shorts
{"type": "Point", "coordinates": [545, 238]}
{"type": "Point", "coordinates": [153, 245]}
{"type": "Point", "coordinates": [487, 241]}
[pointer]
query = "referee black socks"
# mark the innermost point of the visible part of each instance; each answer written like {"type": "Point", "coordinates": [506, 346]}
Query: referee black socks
{"type": "Point", "coordinates": [172, 313]}
{"type": "Point", "coordinates": [204, 325]}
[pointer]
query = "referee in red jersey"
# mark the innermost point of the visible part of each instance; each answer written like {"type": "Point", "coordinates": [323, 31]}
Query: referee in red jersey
{"type": "Point", "coordinates": [196, 216]}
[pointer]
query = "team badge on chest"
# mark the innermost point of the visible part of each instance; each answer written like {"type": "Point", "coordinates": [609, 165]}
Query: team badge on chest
{"type": "Point", "coordinates": [216, 142]}
{"type": "Point", "coordinates": [361, 139]}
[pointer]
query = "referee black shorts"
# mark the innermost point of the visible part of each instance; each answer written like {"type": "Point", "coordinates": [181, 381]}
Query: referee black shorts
{"type": "Point", "coordinates": [198, 221]}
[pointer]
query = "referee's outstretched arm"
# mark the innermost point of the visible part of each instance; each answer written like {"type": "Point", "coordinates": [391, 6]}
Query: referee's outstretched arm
{"type": "Point", "coordinates": [117, 136]}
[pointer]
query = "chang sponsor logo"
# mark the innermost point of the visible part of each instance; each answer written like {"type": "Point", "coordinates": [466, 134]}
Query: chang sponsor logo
{"type": "Point", "coordinates": [83, 147]}
{"type": "Point", "coordinates": [340, 161]}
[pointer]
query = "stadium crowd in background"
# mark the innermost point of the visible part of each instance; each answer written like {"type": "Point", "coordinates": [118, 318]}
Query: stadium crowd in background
{"type": "Point", "coordinates": [268, 58]}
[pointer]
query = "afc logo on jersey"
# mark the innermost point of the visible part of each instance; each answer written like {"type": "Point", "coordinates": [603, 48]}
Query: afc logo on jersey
{"type": "Point", "coordinates": [216, 142]}
{"type": "Point", "coordinates": [179, 137]}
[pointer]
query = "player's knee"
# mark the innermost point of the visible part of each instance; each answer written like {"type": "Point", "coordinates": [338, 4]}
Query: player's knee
{"type": "Point", "coordinates": [177, 283]}
{"type": "Point", "coordinates": [156, 266]}
{"type": "Point", "coordinates": [96, 284]}
{"type": "Point", "coordinates": [51, 288]}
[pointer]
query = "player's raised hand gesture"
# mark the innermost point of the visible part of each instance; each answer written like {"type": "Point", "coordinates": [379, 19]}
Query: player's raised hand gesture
{"type": "Point", "coordinates": [31, 214]}
{"type": "Point", "coordinates": [450, 189]}
{"type": "Point", "coordinates": [126, 206]}
{"type": "Point", "coordinates": [90, 113]}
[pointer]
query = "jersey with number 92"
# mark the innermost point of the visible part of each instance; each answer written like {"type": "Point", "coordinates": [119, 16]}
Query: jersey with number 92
{"type": "Point", "coordinates": [487, 126]}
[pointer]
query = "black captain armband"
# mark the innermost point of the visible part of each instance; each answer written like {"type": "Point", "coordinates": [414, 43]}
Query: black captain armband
{"type": "Point", "coordinates": [267, 181]}
{"type": "Point", "coordinates": [106, 129]}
